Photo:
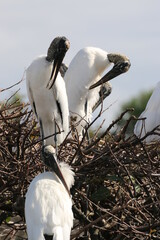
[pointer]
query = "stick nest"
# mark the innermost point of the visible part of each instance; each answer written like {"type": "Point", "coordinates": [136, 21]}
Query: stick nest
{"type": "Point", "coordinates": [117, 185]}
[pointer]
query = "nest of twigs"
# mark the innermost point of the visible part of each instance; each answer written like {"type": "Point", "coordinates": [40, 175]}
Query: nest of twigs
{"type": "Point", "coordinates": [117, 185]}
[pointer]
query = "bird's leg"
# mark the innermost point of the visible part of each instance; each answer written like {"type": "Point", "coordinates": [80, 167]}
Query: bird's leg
{"type": "Point", "coordinates": [42, 132]}
{"type": "Point", "coordinates": [86, 127]}
{"type": "Point", "coordinates": [86, 131]}
{"type": "Point", "coordinates": [55, 139]}
{"type": "Point", "coordinates": [42, 135]}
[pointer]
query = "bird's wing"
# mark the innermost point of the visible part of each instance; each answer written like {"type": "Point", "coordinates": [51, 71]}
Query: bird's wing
{"type": "Point", "coordinates": [31, 99]}
{"type": "Point", "coordinates": [58, 104]}
{"type": "Point", "coordinates": [105, 91]}
{"type": "Point", "coordinates": [63, 69]}
{"type": "Point", "coordinates": [61, 100]}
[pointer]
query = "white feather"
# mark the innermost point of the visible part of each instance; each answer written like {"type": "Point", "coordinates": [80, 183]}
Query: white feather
{"type": "Point", "coordinates": [48, 207]}
{"type": "Point", "coordinates": [37, 77]}
{"type": "Point", "coordinates": [152, 115]}
{"type": "Point", "coordinates": [84, 70]}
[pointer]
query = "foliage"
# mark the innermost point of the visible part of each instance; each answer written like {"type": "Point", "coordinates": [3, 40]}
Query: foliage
{"type": "Point", "coordinates": [138, 103]}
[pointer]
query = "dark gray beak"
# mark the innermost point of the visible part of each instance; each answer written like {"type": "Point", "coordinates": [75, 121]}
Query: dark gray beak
{"type": "Point", "coordinates": [49, 159]}
{"type": "Point", "coordinates": [121, 65]}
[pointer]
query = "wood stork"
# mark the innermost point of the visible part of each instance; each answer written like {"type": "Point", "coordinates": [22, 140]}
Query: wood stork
{"type": "Point", "coordinates": [47, 92]}
{"type": "Point", "coordinates": [152, 117]}
{"type": "Point", "coordinates": [83, 80]}
{"type": "Point", "coordinates": [48, 207]}
{"type": "Point", "coordinates": [105, 89]}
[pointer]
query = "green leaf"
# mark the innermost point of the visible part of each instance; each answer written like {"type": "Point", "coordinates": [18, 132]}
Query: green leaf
{"type": "Point", "coordinates": [8, 202]}
{"type": "Point", "coordinates": [8, 219]}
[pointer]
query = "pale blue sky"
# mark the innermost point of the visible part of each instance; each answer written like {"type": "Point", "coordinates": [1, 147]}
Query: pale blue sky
{"type": "Point", "coordinates": [130, 27]}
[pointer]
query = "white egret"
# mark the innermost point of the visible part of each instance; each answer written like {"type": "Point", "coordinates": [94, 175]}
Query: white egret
{"type": "Point", "coordinates": [47, 92]}
{"type": "Point", "coordinates": [83, 81]}
{"type": "Point", "coordinates": [48, 207]}
{"type": "Point", "coordinates": [152, 118]}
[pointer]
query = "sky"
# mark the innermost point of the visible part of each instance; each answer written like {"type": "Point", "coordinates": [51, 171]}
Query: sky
{"type": "Point", "coordinates": [130, 27]}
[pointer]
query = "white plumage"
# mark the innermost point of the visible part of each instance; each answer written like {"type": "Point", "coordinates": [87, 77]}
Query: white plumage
{"type": "Point", "coordinates": [49, 103]}
{"type": "Point", "coordinates": [48, 207]}
{"type": "Point", "coordinates": [152, 115]}
{"type": "Point", "coordinates": [85, 70]}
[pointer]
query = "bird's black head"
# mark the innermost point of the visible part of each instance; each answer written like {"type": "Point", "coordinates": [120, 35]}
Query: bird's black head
{"type": "Point", "coordinates": [63, 45]}
{"type": "Point", "coordinates": [48, 156]}
{"type": "Point", "coordinates": [56, 52]}
{"type": "Point", "coordinates": [58, 47]}
{"type": "Point", "coordinates": [50, 160]}
{"type": "Point", "coordinates": [121, 65]}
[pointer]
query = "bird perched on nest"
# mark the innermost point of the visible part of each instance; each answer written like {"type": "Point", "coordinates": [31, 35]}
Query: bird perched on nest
{"type": "Point", "coordinates": [47, 92]}
{"type": "Point", "coordinates": [48, 206]}
{"type": "Point", "coordinates": [151, 116]}
{"type": "Point", "coordinates": [83, 81]}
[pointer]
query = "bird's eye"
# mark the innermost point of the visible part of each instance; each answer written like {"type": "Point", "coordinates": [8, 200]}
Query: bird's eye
{"type": "Point", "coordinates": [123, 66]}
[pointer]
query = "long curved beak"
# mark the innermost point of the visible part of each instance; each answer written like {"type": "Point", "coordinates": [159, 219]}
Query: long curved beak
{"type": "Point", "coordinates": [56, 66]}
{"type": "Point", "coordinates": [55, 167]}
{"type": "Point", "coordinates": [121, 65]}
{"type": "Point", "coordinates": [50, 161]}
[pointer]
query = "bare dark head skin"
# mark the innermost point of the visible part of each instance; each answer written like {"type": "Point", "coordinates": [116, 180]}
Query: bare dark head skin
{"type": "Point", "coordinates": [56, 52]}
{"type": "Point", "coordinates": [121, 65]}
{"type": "Point", "coordinates": [49, 159]}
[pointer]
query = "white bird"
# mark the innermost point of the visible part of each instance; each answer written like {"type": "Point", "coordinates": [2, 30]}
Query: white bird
{"type": "Point", "coordinates": [47, 92]}
{"type": "Point", "coordinates": [152, 115]}
{"type": "Point", "coordinates": [48, 207]}
{"type": "Point", "coordinates": [83, 80]}
{"type": "Point", "coordinates": [104, 91]}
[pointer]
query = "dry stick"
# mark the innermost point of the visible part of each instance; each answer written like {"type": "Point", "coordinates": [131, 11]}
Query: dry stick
{"type": "Point", "coordinates": [89, 125]}
{"type": "Point", "coordinates": [38, 141]}
{"type": "Point", "coordinates": [102, 121]}
{"type": "Point", "coordinates": [107, 130]}
{"type": "Point", "coordinates": [25, 138]}
{"type": "Point", "coordinates": [104, 210]}
{"type": "Point", "coordinates": [89, 225]}
{"type": "Point", "coordinates": [146, 152]}
{"type": "Point", "coordinates": [114, 149]}
{"type": "Point", "coordinates": [126, 170]}
{"type": "Point", "coordinates": [16, 100]}
{"type": "Point", "coordinates": [148, 226]}
{"type": "Point", "coordinates": [63, 144]}
{"type": "Point", "coordinates": [103, 217]}
{"type": "Point", "coordinates": [133, 142]}
{"type": "Point", "coordinates": [80, 213]}
{"type": "Point", "coordinates": [144, 209]}
{"type": "Point", "coordinates": [13, 116]}
{"type": "Point", "coordinates": [13, 106]}
{"type": "Point", "coordinates": [11, 156]}
{"type": "Point", "coordinates": [8, 123]}
{"type": "Point", "coordinates": [124, 129]}
{"type": "Point", "coordinates": [98, 129]}
{"type": "Point", "coordinates": [4, 89]}
{"type": "Point", "coordinates": [10, 232]}
{"type": "Point", "coordinates": [152, 132]}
